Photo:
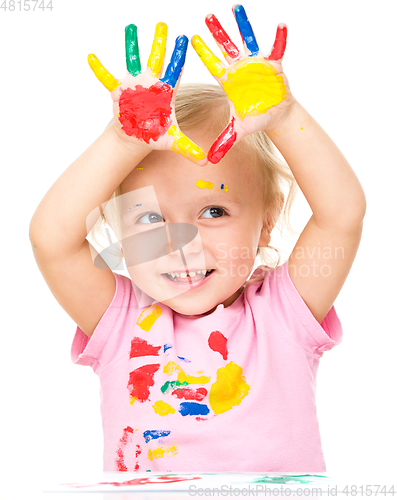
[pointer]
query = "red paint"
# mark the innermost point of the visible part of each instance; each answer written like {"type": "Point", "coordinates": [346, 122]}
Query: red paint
{"type": "Point", "coordinates": [221, 36]}
{"type": "Point", "coordinates": [190, 394]}
{"type": "Point", "coordinates": [140, 381]}
{"type": "Point", "coordinates": [139, 347]}
{"type": "Point", "coordinates": [218, 342]}
{"type": "Point", "coordinates": [140, 481]}
{"type": "Point", "coordinates": [200, 418]}
{"type": "Point", "coordinates": [224, 142]}
{"type": "Point", "coordinates": [127, 437]}
{"type": "Point", "coordinates": [145, 113]}
{"type": "Point", "coordinates": [279, 44]}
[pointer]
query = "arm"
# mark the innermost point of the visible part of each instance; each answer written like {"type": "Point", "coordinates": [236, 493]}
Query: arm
{"type": "Point", "coordinates": [58, 227]}
{"type": "Point", "coordinates": [322, 258]}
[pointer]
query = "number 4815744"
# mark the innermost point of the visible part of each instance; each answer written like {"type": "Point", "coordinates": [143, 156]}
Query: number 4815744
{"type": "Point", "coordinates": [25, 5]}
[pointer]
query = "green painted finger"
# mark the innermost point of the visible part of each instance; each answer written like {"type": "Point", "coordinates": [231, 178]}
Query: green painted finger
{"type": "Point", "coordinates": [132, 50]}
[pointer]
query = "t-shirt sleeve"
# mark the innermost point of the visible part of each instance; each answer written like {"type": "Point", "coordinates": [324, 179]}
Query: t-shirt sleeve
{"type": "Point", "coordinates": [294, 316]}
{"type": "Point", "coordinates": [99, 349]}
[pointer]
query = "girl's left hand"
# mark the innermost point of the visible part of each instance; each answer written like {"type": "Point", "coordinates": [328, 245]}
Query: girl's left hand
{"type": "Point", "coordinates": [255, 84]}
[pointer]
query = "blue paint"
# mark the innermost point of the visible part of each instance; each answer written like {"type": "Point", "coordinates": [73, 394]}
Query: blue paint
{"type": "Point", "coordinates": [191, 408]}
{"type": "Point", "coordinates": [184, 359]}
{"type": "Point", "coordinates": [222, 186]}
{"type": "Point", "coordinates": [246, 30]}
{"type": "Point", "coordinates": [155, 434]}
{"type": "Point", "coordinates": [167, 346]}
{"type": "Point", "coordinates": [177, 62]}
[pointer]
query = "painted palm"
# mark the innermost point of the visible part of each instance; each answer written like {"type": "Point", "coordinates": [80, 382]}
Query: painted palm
{"type": "Point", "coordinates": [254, 83]}
{"type": "Point", "coordinates": [144, 103]}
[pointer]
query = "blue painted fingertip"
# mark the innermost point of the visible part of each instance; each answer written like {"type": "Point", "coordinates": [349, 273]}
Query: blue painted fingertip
{"type": "Point", "coordinates": [177, 61]}
{"type": "Point", "coordinates": [246, 30]}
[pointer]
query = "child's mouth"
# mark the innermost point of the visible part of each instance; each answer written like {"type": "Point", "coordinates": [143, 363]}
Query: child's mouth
{"type": "Point", "coordinates": [190, 278]}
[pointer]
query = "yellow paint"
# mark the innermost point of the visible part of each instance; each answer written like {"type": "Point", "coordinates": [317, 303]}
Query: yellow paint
{"type": "Point", "coordinates": [168, 451]}
{"type": "Point", "coordinates": [225, 187]}
{"type": "Point", "coordinates": [132, 400]}
{"type": "Point", "coordinates": [184, 146]}
{"type": "Point", "coordinates": [214, 65]}
{"type": "Point", "coordinates": [162, 408]}
{"type": "Point", "coordinates": [254, 87]}
{"type": "Point", "coordinates": [204, 184]}
{"type": "Point", "coordinates": [139, 168]}
{"type": "Point", "coordinates": [103, 75]}
{"type": "Point", "coordinates": [171, 367]}
{"type": "Point", "coordinates": [229, 389]}
{"type": "Point", "coordinates": [156, 58]}
{"type": "Point", "coordinates": [148, 316]}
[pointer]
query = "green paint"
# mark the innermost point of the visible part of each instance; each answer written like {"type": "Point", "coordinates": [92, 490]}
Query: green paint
{"type": "Point", "coordinates": [172, 385]}
{"type": "Point", "coordinates": [132, 50]}
{"type": "Point", "coordinates": [288, 479]}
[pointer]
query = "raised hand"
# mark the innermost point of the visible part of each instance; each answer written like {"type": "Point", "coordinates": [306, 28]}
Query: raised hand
{"type": "Point", "coordinates": [144, 103]}
{"type": "Point", "coordinates": [255, 84]}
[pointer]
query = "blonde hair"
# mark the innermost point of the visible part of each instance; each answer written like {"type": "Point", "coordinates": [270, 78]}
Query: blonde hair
{"type": "Point", "coordinates": [204, 106]}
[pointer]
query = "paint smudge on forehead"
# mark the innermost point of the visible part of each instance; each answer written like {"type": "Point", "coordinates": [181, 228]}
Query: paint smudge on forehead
{"type": "Point", "coordinates": [204, 184]}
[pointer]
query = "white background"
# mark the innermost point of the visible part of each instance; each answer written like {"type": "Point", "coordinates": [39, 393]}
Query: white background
{"type": "Point", "coordinates": [340, 62]}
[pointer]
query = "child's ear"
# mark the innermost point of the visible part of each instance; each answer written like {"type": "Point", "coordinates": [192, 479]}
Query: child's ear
{"type": "Point", "coordinates": [269, 221]}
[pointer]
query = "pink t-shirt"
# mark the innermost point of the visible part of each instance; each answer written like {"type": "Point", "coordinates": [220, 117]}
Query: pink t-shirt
{"type": "Point", "coordinates": [233, 391]}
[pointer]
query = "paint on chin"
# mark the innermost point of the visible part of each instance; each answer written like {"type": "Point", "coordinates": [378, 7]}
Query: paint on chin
{"type": "Point", "coordinates": [145, 113]}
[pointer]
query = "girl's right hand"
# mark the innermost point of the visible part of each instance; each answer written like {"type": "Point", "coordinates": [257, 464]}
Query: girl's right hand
{"type": "Point", "coordinates": [143, 103]}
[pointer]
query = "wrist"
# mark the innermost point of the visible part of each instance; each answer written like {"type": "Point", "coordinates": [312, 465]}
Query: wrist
{"type": "Point", "coordinates": [291, 109]}
{"type": "Point", "coordinates": [127, 145]}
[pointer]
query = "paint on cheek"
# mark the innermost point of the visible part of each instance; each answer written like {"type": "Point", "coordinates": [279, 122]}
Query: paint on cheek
{"type": "Point", "coordinates": [204, 184]}
{"type": "Point", "coordinates": [229, 389]}
{"type": "Point", "coordinates": [189, 408]}
{"type": "Point", "coordinates": [145, 113]}
{"type": "Point", "coordinates": [148, 316]}
{"type": "Point", "coordinates": [184, 146]}
{"type": "Point", "coordinates": [254, 87]}
{"type": "Point", "coordinates": [218, 343]}
{"type": "Point", "coordinates": [191, 394]}
{"type": "Point", "coordinates": [223, 143]}
{"type": "Point", "coordinates": [162, 452]}
{"type": "Point", "coordinates": [140, 380]}
{"type": "Point", "coordinates": [139, 347]}
{"type": "Point", "coordinates": [155, 434]}
{"type": "Point", "coordinates": [162, 408]}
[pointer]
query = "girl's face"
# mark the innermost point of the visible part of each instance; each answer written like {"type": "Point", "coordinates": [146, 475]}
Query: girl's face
{"type": "Point", "coordinates": [177, 216]}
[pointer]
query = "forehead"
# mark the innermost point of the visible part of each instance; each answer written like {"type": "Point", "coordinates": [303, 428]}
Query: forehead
{"type": "Point", "coordinates": [232, 180]}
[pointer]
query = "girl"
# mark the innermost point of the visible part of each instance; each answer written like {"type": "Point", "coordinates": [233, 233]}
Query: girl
{"type": "Point", "coordinates": [201, 368]}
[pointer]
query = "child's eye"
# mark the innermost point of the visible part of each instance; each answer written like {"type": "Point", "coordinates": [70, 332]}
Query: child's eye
{"type": "Point", "coordinates": [152, 216]}
{"type": "Point", "coordinates": [214, 211]}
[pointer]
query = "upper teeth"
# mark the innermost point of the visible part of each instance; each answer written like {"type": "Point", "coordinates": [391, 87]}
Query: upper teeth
{"type": "Point", "coordinates": [192, 274]}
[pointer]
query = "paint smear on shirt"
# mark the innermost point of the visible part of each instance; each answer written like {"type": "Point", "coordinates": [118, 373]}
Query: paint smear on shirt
{"type": "Point", "coordinates": [162, 452]}
{"type": "Point", "coordinates": [171, 367]}
{"type": "Point", "coordinates": [191, 394]}
{"type": "Point", "coordinates": [229, 389]}
{"type": "Point", "coordinates": [162, 408]}
{"type": "Point", "coordinates": [139, 481]}
{"type": "Point", "coordinates": [204, 184]}
{"type": "Point", "coordinates": [155, 434]}
{"type": "Point", "coordinates": [190, 408]}
{"type": "Point", "coordinates": [139, 347]}
{"type": "Point", "coordinates": [254, 87]}
{"type": "Point", "coordinates": [148, 317]}
{"type": "Point", "coordinates": [170, 385]}
{"type": "Point", "coordinates": [167, 346]}
{"type": "Point", "coordinates": [145, 113]}
{"type": "Point", "coordinates": [218, 343]}
{"type": "Point", "coordinates": [126, 438]}
{"type": "Point", "coordinates": [140, 380]}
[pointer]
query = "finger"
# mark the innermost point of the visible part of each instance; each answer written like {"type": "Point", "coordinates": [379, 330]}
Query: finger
{"type": "Point", "coordinates": [184, 146]}
{"type": "Point", "coordinates": [103, 75]}
{"type": "Point", "coordinates": [214, 65]}
{"type": "Point", "coordinates": [132, 50]}
{"type": "Point", "coordinates": [174, 68]}
{"type": "Point", "coordinates": [223, 143]}
{"type": "Point", "coordinates": [229, 50]}
{"type": "Point", "coordinates": [245, 29]}
{"type": "Point", "coordinates": [156, 58]}
{"type": "Point", "coordinates": [280, 43]}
